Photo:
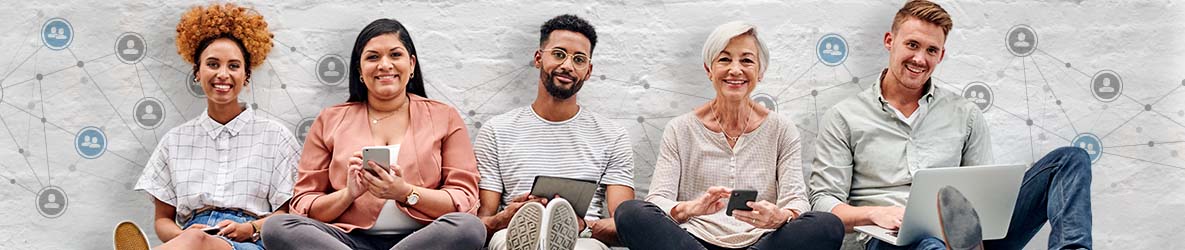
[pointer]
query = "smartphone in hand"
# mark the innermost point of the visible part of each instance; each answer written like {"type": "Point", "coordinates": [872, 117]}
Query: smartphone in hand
{"type": "Point", "coordinates": [380, 155]}
{"type": "Point", "coordinates": [212, 230]}
{"type": "Point", "coordinates": [738, 198]}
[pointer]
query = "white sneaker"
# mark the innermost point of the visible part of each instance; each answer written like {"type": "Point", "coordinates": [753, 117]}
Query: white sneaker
{"type": "Point", "coordinates": [128, 236]}
{"type": "Point", "coordinates": [523, 231]}
{"type": "Point", "coordinates": [562, 227]}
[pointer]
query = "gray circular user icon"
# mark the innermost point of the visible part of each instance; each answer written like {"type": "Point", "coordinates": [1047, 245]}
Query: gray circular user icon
{"type": "Point", "coordinates": [1021, 40]}
{"type": "Point", "coordinates": [51, 202]}
{"type": "Point", "coordinates": [980, 94]}
{"type": "Point", "coordinates": [1106, 85]}
{"type": "Point", "coordinates": [302, 128]}
{"type": "Point", "coordinates": [130, 47]}
{"type": "Point", "coordinates": [766, 100]}
{"type": "Point", "coordinates": [149, 113]}
{"type": "Point", "coordinates": [331, 69]}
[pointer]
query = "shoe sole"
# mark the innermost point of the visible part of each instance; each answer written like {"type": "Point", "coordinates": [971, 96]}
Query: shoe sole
{"type": "Point", "coordinates": [128, 236]}
{"type": "Point", "coordinates": [960, 223]}
{"type": "Point", "coordinates": [523, 231]}
{"type": "Point", "coordinates": [562, 226]}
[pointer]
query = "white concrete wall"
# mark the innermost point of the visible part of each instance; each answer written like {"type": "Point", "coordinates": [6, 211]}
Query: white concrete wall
{"type": "Point", "coordinates": [476, 57]}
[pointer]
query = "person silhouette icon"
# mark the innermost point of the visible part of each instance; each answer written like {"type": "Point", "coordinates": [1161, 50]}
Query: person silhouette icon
{"type": "Point", "coordinates": [86, 141]}
{"type": "Point", "coordinates": [331, 69]}
{"type": "Point", "coordinates": [1089, 147]}
{"type": "Point", "coordinates": [130, 48]}
{"type": "Point", "coordinates": [835, 50]}
{"type": "Point", "coordinates": [53, 33]}
{"type": "Point", "coordinates": [1022, 40]}
{"type": "Point", "coordinates": [149, 113]}
{"type": "Point", "coordinates": [52, 202]}
{"type": "Point", "coordinates": [94, 143]}
{"type": "Point", "coordinates": [1106, 88]}
{"type": "Point", "coordinates": [979, 98]}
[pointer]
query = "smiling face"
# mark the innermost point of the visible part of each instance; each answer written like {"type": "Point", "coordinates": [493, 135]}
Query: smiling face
{"type": "Point", "coordinates": [222, 72]}
{"type": "Point", "coordinates": [562, 78]}
{"type": "Point", "coordinates": [737, 69]}
{"type": "Point", "coordinates": [386, 66]}
{"type": "Point", "coordinates": [915, 49]}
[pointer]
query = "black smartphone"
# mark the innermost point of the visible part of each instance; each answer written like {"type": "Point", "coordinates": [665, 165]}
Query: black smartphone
{"type": "Point", "coordinates": [738, 198]}
{"type": "Point", "coordinates": [212, 230]}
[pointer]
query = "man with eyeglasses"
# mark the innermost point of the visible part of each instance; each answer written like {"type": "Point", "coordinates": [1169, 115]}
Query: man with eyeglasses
{"type": "Point", "coordinates": [556, 137]}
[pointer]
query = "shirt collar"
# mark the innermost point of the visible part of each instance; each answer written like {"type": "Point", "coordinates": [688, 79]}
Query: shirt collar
{"type": "Point", "coordinates": [236, 125]}
{"type": "Point", "coordinates": [876, 88]}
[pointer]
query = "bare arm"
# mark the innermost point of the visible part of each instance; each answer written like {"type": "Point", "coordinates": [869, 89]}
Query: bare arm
{"type": "Point", "coordinates": [166, 227]}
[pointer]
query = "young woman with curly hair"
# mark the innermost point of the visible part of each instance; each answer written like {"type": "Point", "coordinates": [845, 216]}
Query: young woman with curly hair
{"type": "Point", "coordinates": [215, 179]}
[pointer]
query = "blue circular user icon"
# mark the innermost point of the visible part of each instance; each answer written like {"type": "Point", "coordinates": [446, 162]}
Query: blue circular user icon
{"type": "Point", "coordinates": [57, 33]}
{"type": "Point", "coordinates": [832, 49]}
{"type": "Point", "coordinates": [90, 142]}
{"type": "Point", "coordinates": [1090, 143]}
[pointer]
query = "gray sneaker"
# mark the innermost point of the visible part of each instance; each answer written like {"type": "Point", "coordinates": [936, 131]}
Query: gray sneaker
{"type": "Point", "coordinates": [128, 236]}
{"type": "Point", "coordinates": [561, 233]}
{"type": "Point", "coordinates": [523, 231]}
{"type": "Point", "coordinates": [960, 222]}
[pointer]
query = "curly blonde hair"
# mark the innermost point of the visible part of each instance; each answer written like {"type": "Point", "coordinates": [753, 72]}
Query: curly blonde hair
{"type": "Point", "coordinates": [200, 25]}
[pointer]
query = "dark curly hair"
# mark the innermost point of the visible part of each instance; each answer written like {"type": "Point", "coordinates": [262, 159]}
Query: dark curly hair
{"type": "Point", "coordinates": [571, 23]}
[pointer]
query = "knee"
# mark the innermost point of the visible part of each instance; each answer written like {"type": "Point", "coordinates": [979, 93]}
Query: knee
{"type": "Point", "coordinates": [277, 227]}
{"type": "Point", "coordinates": [832, 226]}
{"type": "Point", "coordinates": [189, 238]}
{"type": "Point", "coordinates": [1073, 154]}
{"type": "Point", "coordinates": [471, 232]}
{"type": "Point", "coordinates": [629, 210]}
{"type": "Point", "coordinates": [1076, 159]}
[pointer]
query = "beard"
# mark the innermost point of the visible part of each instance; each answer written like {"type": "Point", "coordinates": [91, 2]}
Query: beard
{"type": "Point", "coordinates": [556, 91]}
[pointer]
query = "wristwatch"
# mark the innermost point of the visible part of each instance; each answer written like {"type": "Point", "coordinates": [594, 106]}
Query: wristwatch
{"type": "Point", "coordinates": [413, 197]}
{"type": "Point", "coordinates": [254, 236]}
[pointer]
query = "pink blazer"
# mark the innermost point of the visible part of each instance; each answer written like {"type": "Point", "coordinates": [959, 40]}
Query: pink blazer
{"type": "Point", "coordinates": [435, 153]}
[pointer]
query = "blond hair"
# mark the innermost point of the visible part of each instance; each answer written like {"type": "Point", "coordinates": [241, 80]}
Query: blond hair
{"type": "Point", "coordinates": [926, 11]}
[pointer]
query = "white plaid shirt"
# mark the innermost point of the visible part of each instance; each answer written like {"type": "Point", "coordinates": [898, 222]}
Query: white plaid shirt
{"type": "Point", "coordinates": [249, 163]}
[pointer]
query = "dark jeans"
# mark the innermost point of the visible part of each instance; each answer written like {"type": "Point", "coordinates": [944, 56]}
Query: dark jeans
{"type": "Point", "coordinates": [450, 231]}
{"type": "Point", "coordinates": [1055, 189]}
{"type": "Point", "coordinates": [642, 225]}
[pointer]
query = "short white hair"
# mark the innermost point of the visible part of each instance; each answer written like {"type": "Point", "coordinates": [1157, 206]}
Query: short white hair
{"type": "Point", "coordinates": [725, 32]}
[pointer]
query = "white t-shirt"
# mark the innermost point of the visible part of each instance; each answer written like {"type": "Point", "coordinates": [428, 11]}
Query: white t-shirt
{"type": "Point", "coordinates": [514, 147]}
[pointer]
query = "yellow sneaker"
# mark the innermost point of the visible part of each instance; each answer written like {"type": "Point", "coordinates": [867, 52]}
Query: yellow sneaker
{"type": "Point", "coordinates": [128, 236]}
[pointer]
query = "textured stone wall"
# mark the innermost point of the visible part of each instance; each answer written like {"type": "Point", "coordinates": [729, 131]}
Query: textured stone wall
{"type": "Point", "coordinates": [61, 86]}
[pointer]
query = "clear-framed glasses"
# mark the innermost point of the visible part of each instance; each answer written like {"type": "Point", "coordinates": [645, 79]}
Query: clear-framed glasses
{"type": "Point", "coordinates": [579, 61]}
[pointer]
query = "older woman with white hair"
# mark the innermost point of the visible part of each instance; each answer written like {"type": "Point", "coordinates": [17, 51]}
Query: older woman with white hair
{"type": "Point", "coordinates": [730, 143]}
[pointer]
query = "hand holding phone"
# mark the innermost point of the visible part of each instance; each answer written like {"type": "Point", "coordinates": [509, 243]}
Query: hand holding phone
{"type": "Point", "coordinates": [738, 198]}
{"type": "Point", "coordinates": [380, 155]}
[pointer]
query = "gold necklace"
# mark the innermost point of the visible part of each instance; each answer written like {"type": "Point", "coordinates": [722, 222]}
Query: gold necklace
{"type": "Point", "coordinates": [376, 120]}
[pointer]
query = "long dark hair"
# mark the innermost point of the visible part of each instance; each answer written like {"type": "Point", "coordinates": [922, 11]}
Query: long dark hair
{"type": "Point", "coordinates": [377, 28]}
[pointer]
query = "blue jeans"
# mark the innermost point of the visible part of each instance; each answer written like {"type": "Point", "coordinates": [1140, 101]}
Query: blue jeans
{"type": "Point", "coordinates": [1055, 189]}
{"type": "Point", "coordinates": [212, 217]}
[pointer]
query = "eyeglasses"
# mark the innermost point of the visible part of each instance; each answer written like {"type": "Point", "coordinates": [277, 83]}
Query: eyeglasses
{"type": "Point", "coordinates": [579, 61]}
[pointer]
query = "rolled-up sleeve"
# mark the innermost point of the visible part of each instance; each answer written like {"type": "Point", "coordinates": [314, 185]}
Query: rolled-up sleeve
{"type": "Point", "coordinates": [312, 173]}
{"type": "Point", "coordinates": [831, 171]}
{"type": "Point", "coordinates": [459, 166]}
{"type": "Point", "coordinates": [664, 186]}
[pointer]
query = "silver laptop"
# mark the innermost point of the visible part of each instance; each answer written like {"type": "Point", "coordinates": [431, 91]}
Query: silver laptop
{"type": "Point", "coordinates": [991, 189]}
